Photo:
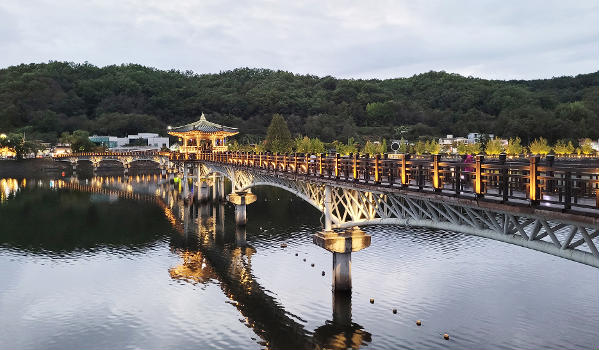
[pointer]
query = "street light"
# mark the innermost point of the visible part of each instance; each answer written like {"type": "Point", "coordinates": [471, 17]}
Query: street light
{"type": "Point", "coordinates": [2, 136]}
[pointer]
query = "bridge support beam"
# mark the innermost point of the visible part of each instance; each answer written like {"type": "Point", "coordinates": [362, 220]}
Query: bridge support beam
{"type": "Point", "coordinates": [241, 200]}
{"type": "Point", "coordinates": [342, 245]}
{"type": "Point", "coordinates": [184, 182]}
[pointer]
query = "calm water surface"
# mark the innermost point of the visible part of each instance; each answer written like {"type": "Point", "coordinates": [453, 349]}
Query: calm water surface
{"type": "Point", "coordinates": [111, 262]}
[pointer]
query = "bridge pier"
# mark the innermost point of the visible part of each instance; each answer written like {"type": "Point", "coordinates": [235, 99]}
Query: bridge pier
{"type": "Point", "coordinates": [203, 190]}
{"type": "Point", "coordinates": [341, 245]}
{"type": "Point", "coordinates": [221, 188]}
{"type": "Point", "coordinates": [241, 200]}
{"type": "Point", "coordinates": [184, 182]}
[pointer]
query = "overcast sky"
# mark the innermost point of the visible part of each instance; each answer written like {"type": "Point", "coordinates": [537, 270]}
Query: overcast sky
{"type": "Point", "coordinates": [351, 39]}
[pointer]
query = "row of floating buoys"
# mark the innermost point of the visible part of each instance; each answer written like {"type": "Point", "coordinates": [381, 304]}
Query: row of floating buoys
{"type": "Point", "coordinates": [418, 322]}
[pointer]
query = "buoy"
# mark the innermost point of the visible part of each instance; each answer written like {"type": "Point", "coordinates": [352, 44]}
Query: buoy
{"type": "Point", "coordinates": [372, 300]}
{"type": "Point", "coordinates": [312, 264]}
{"type": "Point", "coordinates": [419, 323]}
{"type": "Point", "coordinates": [323, 273]}
{"type": "Point", "coordinates": [446, 336]}
{"type": "Point", "coordinates": [394, 311]}
{"type": "Point", "coordinates": [304, 259]}
{"type": "Point", "coordinates": [295, 254]}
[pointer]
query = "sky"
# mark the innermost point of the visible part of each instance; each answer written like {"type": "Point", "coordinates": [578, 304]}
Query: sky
{"type": "Point", "coordinates": [501, 39]}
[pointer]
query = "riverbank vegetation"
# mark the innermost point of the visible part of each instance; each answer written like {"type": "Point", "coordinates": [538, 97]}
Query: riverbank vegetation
{"type": "Point", "coordinates": [45, 100]}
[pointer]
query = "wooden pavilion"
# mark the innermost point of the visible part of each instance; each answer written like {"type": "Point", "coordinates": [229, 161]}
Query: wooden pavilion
{"type": "Point", "coordinates": [203, 136]}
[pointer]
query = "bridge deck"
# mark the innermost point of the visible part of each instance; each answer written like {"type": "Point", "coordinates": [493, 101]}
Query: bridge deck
{"type": "Point", "coordinates": [565, 191]}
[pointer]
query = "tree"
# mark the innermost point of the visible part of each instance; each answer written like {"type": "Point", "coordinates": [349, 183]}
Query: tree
{"type": "Point", "coordinates": [462, 148]}
{"type": "Point", "coordinates": [302, 144]}
{"type": "Point", "coordinates": [79, 141]}
{"type": "Point", "coordinates": [539, 146]}
{"type": "Point", "coordinates": [278, 137]}
{"type": "Point", "coordinates": [432, 147]}
{"type": "Point", "coordinates": [586, 146]}
{"type": "Point", "coordinates": [514, 147]}
{"type": "Point", "coordinates": [494, 147]}
{"type": "Point", "coordinates": [474, 148]}
{"type": "Point", "coordinates": [419, 147]}
{"type": "Point", "coordinates": [563, 147]}
{"type": "Point", "coordinates": [18, 144]}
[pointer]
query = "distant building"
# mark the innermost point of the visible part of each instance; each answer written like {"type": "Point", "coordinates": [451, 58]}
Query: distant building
{"type": "Point", "coordinates": [147, 139]}
{"type": "Point", "coordinates": [451, 140]}
{"type": "Point", "coordinates": [450, 143]}
{"type": "Point", "coordinates": [474, 137]}
{"type": "Point", "coordinates": [143, 141]}
{"type": "Point", "coordinates": [106, 141]}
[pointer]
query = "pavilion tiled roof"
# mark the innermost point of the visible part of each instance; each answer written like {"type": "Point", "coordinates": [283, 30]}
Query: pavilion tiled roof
{"type": "Point", "coordinates": [204, 125]}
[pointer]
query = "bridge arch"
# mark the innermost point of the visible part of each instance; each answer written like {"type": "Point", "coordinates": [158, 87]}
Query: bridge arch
{"type": "Point", "coordinates": [293, 191]}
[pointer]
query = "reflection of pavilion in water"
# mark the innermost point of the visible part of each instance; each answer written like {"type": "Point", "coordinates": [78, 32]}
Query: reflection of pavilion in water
{"type": "Point", "coordinates": [209, 251]}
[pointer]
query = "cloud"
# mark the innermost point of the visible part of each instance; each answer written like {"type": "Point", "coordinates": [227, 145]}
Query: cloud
{"type": "Point", "coordinates": [353, 39]}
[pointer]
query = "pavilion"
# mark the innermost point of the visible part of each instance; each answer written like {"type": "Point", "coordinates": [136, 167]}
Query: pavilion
{"type": "Point", "coordinates": [203, 136]}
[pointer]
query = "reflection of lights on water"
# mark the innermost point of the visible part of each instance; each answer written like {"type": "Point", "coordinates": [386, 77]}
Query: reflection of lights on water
{"type": "Point", "coordinates": [51, 183]}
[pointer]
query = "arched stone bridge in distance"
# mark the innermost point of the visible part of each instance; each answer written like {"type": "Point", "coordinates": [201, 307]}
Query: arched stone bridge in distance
{"type": "Point", "coordinates": [558, 214]}
{"type": "Point", "coordinates": [161, 159]}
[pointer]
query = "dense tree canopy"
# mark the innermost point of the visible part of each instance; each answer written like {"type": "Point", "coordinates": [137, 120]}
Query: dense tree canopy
{"type": "Point", "coordinates": [45, 100]}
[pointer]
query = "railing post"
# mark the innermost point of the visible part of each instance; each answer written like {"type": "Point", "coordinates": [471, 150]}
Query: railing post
{"type": "Point", "coordinates": [355, 166]}
{"type": "Point", "coordinates": [276, 161]}
{"type": "Point", "coordinates": [404, 173]}
{"type": "Point", "coordinates": [377, 170]}
{"type": "Point", "coordinates": [568, 190]}
{"type": "Point", "coordinates": [420, 178]}
{"type": "Point", "coordinates": [478, 181]}
{"type": "Point", "coordinates": [436, 177]}
{"type": "Point", "coordinates": [366, 167]}
{"type": "Point", "coordinates": [320, 160]}
{"type": "Point", "coordinates": [285, 160]}
{"type": "Point", "coordinates": [390, 170]}
{"type": "Point", "coordinates": [336, 166]}
{"type": "Point", "coordinates": [549, 183]}
{"type": "Point", "coordinates": [504, 177]}
{"type": "Point", "coordinates": [295, 162]}
{"type": "Point", "coordinates": [534, 180]}
{"type": "Point", "coordinates": [307, 162]}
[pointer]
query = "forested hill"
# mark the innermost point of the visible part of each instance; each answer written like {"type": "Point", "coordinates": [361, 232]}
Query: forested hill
{"type": "Point", "coordinates": [47, 99]}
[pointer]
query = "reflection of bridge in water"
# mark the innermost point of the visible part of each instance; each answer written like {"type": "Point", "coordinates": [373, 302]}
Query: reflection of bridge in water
{"type": "Point", "coordinates": [209, 252]}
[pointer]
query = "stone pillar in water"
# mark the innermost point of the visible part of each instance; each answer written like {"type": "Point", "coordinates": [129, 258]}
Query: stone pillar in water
{"type": "Point", "coordinates": [184, 182]}
{"type": "Point", "coordinates": [341, 245]}
{"type": "Point", "coordinates": [241, 200]}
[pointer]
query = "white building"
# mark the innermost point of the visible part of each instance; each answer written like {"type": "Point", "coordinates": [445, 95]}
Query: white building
{"type": "Point", "coordinates": [154, 141]}
{"type": "Point", "coordinates": [474, 137]}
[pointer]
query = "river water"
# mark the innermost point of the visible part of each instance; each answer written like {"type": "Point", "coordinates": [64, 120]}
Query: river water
{"type": "Point", "coordinates": [112, 262]}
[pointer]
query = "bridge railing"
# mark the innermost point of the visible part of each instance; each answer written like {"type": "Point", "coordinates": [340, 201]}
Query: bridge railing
{"type": "Point", "coordinates": [567, 187]}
